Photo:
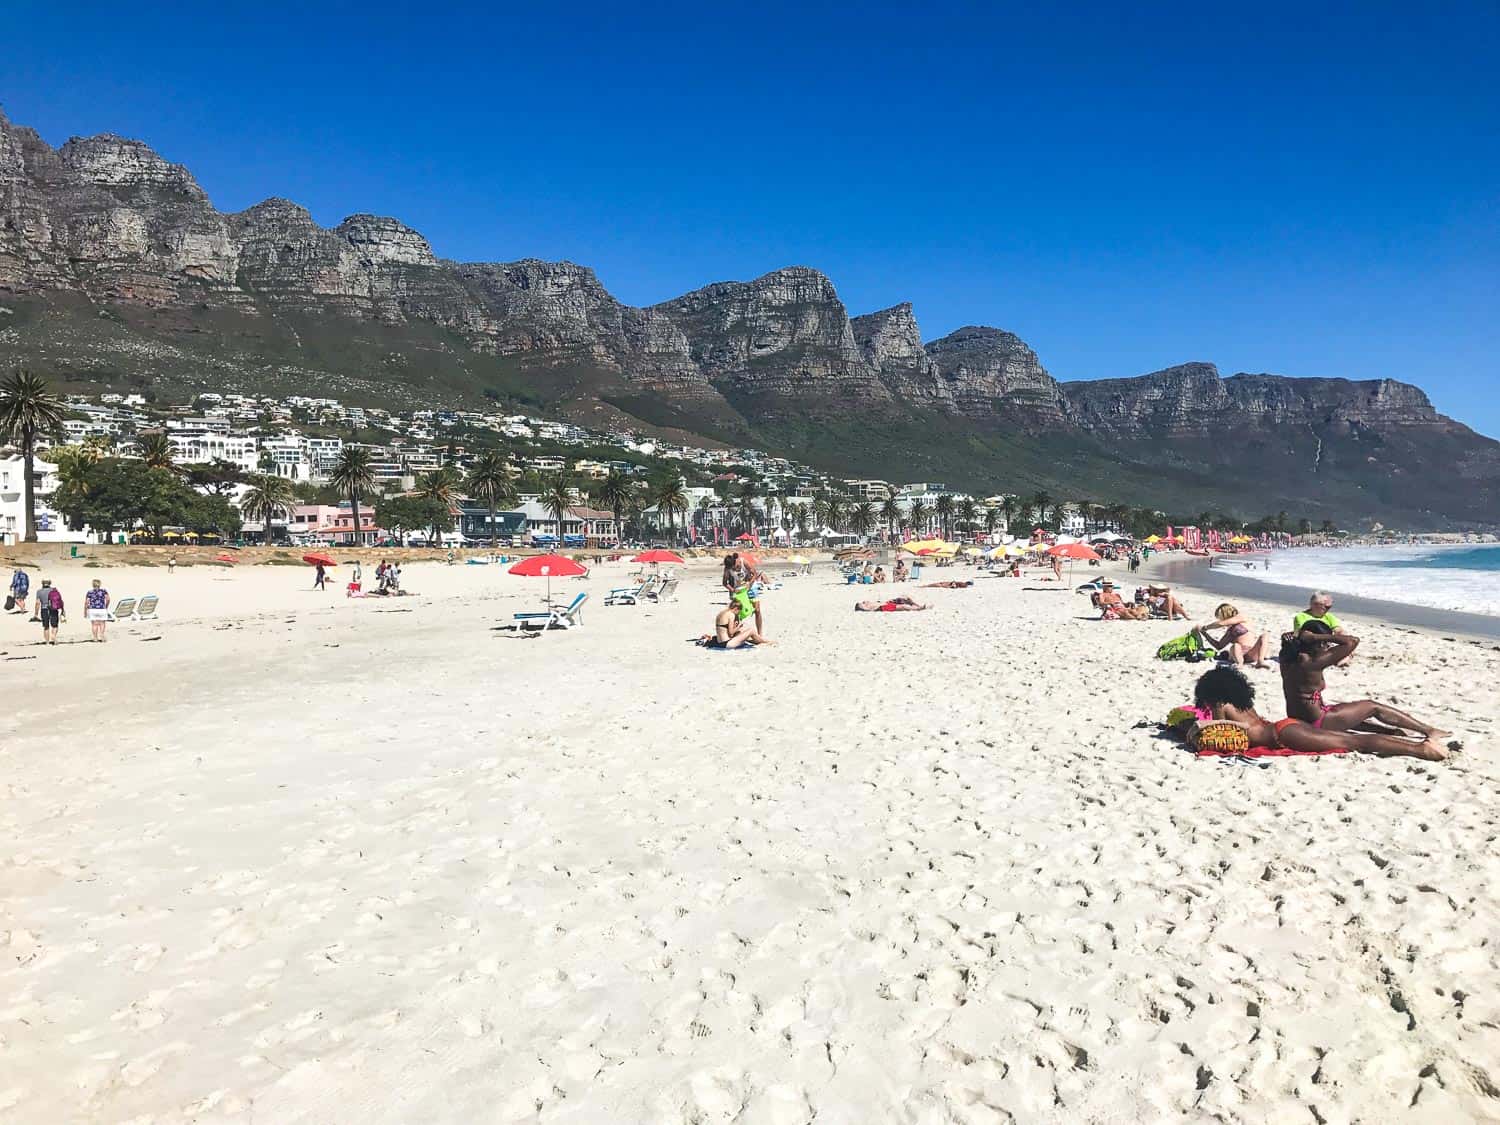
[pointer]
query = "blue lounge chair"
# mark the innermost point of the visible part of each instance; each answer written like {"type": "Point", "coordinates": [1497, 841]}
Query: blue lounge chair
{"type": "Point", "coordinates": [556, 617]}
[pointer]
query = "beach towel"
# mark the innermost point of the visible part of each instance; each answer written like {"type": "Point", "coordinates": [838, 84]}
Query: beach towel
{"type": "Point", "coordinates": [1186, 647]}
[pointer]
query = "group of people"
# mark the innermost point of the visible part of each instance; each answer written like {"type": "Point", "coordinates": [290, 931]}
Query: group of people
{"type": "Point", "coordinates": [1316, 642]}
{"type": "Point", "coordinates": [50, 611]}
{"type": "Point", "coordinates": [742, 621]}
{"type": "Point", "coordinates": [1150, 601]}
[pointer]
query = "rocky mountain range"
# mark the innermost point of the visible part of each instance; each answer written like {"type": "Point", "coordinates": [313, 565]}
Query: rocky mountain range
{"type": "Point", "coordinates": [116, 269]}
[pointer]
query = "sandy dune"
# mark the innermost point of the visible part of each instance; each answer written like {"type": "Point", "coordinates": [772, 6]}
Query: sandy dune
{"type": "Point", "coordinates": [303, 859]}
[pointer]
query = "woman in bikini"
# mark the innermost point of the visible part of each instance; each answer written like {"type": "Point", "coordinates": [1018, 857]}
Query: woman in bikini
{"type": "Point", "coordinates": [1229, 697]}
{"type": "Point", "coordinates": [1235, 639]}
{"type": "Point", "coordinates": [1305, 656]}
{"type": "Point", "coordinates": [895, 605]}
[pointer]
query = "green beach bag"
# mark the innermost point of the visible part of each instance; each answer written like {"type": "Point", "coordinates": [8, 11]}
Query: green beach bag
{"type": "Point", "coordinates": [1180, 648]}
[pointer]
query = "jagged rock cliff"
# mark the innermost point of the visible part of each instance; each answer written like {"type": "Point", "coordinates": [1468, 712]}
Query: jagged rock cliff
{"type": "Point", "coordinates": [114, 264]}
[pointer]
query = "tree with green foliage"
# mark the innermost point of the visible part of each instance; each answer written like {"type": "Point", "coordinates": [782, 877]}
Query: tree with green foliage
{"type": "Point", "coordinates": [401, 515]}
{"type": "Point", "coordinates": [29, 410]}
{"type": "Point", "coordinates": [890, 512]}
{"type": "Point", "coordinates": [217, 476]}
{"type": "Point", "coordinates": [440, 486]}
{"type": "Point", "coordinates": [489, 482]}
{"type": "Point", "coordinates": [266, 498]}
{"type": "Point", "coordinates": [669, 497]}
{"type": "Point", "coordinates": [943, 506]}
{"type": "Point", "coordinates": [354, 476]}
{"type": "Point", "coordinates": [616, 494]}
{"type": "Point", "coordinates": [557, 498]}
{"type": "Point", "coordinates": [918, 516]}
{"type": "Point", "coordinates": [862, 518]}
{"type": "Point", "coordinates": [156, 450]}
{"type": "Point", "coordinates": [118, 493]}
{"type": "Point", "coordinates": [968, 513]}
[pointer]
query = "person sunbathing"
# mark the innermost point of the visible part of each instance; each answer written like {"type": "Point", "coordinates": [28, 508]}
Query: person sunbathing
{"type": "Point", "coordinates": [1163, 604]}
{"type": "Point", "coordinates": [895, 605]}
{"type": "Point", "coordinates": [1114, 608]}
{"type": "Point", "coordinates": [1229, 697]}
{"type": "Point", "coordinates": [946, 585]}
{"type": "Point", "coordinates": [1235, 638]}
{"type": "Point", "coordinates": [1305, 656]}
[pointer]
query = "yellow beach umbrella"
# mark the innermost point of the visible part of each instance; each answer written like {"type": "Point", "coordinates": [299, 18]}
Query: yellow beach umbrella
{"type": "Point", "coordinates": [800, 560]}
{"type": "Point", "coordinates": [1153, 539]}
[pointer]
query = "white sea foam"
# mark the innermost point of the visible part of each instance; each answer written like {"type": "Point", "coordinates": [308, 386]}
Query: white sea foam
{"type": "Point", "coordinates": [1448, 577]}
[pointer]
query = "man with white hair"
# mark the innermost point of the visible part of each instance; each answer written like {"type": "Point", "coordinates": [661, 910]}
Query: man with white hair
{"type": "Point", "coordinates": [1319, 608]}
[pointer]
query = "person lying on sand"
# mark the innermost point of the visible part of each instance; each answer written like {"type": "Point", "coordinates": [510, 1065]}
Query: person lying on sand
{"type": "Point", "coordinates": [895, 605]}
{"type": "Point", "coordinates": [946, 585]}
{"type": "Point", "coordinates": [1229, 697]}
{"type": "Point", "coordinates": [1235, 638]}
{"type": "Point", "coordinates": [1305, 656]}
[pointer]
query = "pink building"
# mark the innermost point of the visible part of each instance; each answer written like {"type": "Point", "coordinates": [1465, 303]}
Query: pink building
{"type": "Point", "coordinates": [333, 523]}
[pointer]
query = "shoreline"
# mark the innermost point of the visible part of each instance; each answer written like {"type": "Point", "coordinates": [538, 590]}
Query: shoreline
{"type": "Point", "coordinates": [1194, 571]}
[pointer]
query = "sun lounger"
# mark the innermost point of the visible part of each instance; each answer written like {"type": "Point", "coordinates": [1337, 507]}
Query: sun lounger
{"type": "Point", "coordinates": [555, 618]}
{"type": "Point", "coordinates": [666, 592]}
{"type": "Point", "coordinates": [122, 610]}
{"type": "Point", "coordinates": [146, 611]}
{"type": "Point", "coordinates": [630, 595]}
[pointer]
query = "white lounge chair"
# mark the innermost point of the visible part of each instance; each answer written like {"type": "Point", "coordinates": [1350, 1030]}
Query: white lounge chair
{"type": "Point", "coordinates": [666, 592]}
{"type": "Point", "coordinates": [630, 595]}
{"type": "Point", "coordinates": [146, 611]}
{"type": "Point", "coordinates": [122, 610]}
{"type": "Point", "coordinates": [556, 617]}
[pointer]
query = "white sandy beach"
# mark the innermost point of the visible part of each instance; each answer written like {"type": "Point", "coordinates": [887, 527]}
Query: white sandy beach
{"type": "Point", "coordinates": [286, 857]}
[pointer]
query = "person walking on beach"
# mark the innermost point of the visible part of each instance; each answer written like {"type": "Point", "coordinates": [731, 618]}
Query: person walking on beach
{"type": "Point", "coordinates": [50, 610]}
{"type": "Point", "coordinates": [320, 578]}
{"type": "Point", "coordinates": [20, 589]}
{"type": "Point", "coordinates": [171, 565]}
{"type": "Point", "coordinates": [96, 609]}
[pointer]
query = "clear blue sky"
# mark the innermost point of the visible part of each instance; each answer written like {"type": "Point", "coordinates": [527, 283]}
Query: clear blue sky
{"type": "Point", "coordinates": [1302, 189]}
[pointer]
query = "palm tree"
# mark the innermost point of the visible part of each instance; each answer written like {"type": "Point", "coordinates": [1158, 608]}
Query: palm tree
{"type": "Point", "coordinates": [835, 509]}
{"type": "Point", "coordinates": [801, 520]}
{"type": "Point", "coordinates": [557, 498]}
{"type": "Point", "coordinates": [890, 512]}
{"type": "Point", "coordinates": [1009, 508]}
{"type": "Point", "coordinates": [670, 499]}
{"type": "Point", "coordinates": [614, 494]}
{"type": "Point", "coordinates": [266, 498]}
{"type": "Point", "coordinates": [354, 475]}
{"type": "Point", "coordinates": [441, 487]}
{"type": "Point", "coordinates": [968, 513]}
{"type": "Point", "coordinates": [28, 410]}
{"type": "Point", "coordinates": [489, 481]}
{"type": "Point", "coordinates": [747, 507]}
{"type": "Point", "coordinates": [991, 520]}
{"type": "Point", "coordinates": [944, 508]}
{"type": "Point", "coordinates": [1041, 505]}
{"type": "Point", "coordinates": [156, 450]}
{"type": "Point", "coordinates": [862, 519]}
{"type": "Point", "coordinates": [918, 518]}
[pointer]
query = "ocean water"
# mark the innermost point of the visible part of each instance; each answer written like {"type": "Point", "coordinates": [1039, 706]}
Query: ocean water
{"type": "Point", "coordinates": [1464, 578]}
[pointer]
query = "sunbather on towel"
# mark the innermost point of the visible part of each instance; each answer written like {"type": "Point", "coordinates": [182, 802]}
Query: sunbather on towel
{"type": "Point", "coordinates": [946, 585]}
{"type": "Point", "coordinates": [1229, 697]}
{"type": "Point", "coordinates": [1305, 656]}
{"type": "Point", "coordinates": [895, 605]}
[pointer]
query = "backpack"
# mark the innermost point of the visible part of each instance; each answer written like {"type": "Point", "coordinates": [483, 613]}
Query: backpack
{"type": "Point", "coordinates": [1186, 647]}
{"type": "Point", "coordinates": [54, 598]}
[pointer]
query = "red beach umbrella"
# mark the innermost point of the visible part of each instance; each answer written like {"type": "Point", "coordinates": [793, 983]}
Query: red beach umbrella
{"type": "Point", "coordinates": [659, 556]}
{"type": "Point", "coordinates": [318, 560]}
{"type": "Point", "coordinates": [1073, 551]}
{"type": "Point", "coordinates": [548, 567]}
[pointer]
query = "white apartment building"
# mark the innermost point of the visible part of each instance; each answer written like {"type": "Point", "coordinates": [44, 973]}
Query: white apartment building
{"type": "Point", "coordinates": [198, 447]}
{"type": "Point", "coordinates": [50, 526]}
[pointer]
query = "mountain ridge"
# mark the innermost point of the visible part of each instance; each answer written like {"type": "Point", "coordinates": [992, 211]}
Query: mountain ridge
{"type": "Point", "coordinates": [116, 267]}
